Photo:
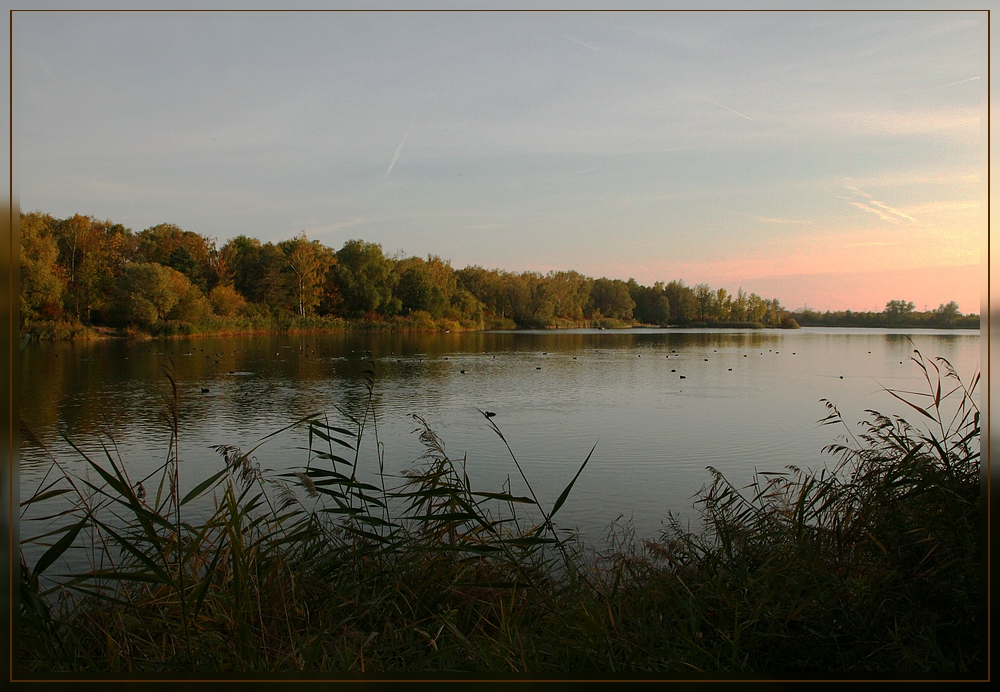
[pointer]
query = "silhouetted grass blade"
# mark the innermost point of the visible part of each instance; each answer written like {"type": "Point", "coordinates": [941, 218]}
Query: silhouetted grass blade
{"type": "Point", "coordinates": [565, 493]}
{"type": "Point", "coordinates": [204, 485]}
{"type": "Point", "coordinates": [58, 548]}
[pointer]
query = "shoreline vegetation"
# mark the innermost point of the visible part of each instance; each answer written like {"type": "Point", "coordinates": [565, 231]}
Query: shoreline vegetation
{"type": "Point", "coordinates": [871, 567]}
{"type": "Point", "coordinates": [82, 278]}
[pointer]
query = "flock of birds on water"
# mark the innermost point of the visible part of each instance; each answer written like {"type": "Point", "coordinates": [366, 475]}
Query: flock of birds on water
{"type": "Point", "coordinates": [302, 352]}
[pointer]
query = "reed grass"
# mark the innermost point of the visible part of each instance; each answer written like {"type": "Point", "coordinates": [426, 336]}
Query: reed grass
{"type": "Point", "coordinates": [871, 567]}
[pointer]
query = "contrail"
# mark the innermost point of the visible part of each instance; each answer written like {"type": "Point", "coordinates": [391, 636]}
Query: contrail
{"type": "Point", "coordinates": [395, 157]}
{"type": "Point", "coordinates": [585, 45]}
{"type": "Point", "coordinates": [730, 110]}
{"type": "Point", "coordinates": [961, 81]}
{"type": "Point", "coordinates": [880, 209]}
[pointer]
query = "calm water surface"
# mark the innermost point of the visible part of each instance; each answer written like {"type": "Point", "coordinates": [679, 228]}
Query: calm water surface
{"type": "Point", "coordinates": [747, 400]}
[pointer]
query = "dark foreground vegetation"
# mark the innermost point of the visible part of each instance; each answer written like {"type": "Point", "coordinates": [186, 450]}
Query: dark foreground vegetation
{"type": "Point", "coordinates": [81, 276]}
{"type": "Point", "coordinates": [872, 567]}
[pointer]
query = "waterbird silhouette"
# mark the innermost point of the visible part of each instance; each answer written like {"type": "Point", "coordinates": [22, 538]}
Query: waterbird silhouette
{"type": "Point", "coordinates": [489, 414]}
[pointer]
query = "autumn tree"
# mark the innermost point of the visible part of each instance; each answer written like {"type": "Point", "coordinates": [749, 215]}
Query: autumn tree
{"type": "Point", "coordinates": [42, 280]}
{"type": "Point", "coordinates": [722, 305]}
{"type": "Point", "coordinates": [187, 252]}
{"type": "Point", "coordinates": [226, 301]}
{"type": "Point", "coordinates": [93, 253]}
{"type": "Point", "coordinates": [307, 264]}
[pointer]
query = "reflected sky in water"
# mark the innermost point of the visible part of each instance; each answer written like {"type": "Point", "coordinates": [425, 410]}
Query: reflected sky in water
{"type": "Point", "coordinates": [661, 405]}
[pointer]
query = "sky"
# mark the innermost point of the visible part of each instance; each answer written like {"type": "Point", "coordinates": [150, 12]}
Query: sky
{"type": "Point", "coordinates": [834, 160]}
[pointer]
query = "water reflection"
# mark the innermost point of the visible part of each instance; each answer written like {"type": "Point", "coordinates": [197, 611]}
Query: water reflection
{"type": "Point", "coordinates": [748, 399]}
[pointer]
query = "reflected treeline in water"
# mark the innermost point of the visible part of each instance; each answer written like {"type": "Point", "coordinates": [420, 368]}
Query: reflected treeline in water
{"type": "Point", "coordinates": [83, 387]}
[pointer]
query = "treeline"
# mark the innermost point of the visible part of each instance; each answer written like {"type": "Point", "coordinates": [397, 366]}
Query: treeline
{"type": "Point", "coordinates": [81, 271]}
{"type": "Point", "coordinates": [897, 313]}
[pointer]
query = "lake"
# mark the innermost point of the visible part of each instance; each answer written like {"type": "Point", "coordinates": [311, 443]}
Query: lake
{"type": "Point", "coordinates": [661, 405]}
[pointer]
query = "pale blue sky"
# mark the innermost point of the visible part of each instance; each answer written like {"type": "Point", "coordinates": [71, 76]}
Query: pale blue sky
{"type": "Point", "coordinates": [829, 159]}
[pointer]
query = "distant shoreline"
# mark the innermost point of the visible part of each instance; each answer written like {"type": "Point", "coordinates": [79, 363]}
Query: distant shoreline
{"type": "Point", "coordinates": [100, 333]}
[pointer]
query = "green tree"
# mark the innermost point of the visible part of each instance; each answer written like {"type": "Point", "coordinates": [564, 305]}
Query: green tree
{"type": "Point", "coordinates": [610, 298]}
{"type": "Point", "coordinates": [947, 315]}
{"type": "Point", "coordinates": [897, 311]}
{"type": "Point", "coordinates": [240, 259]}
{"type": "Point", "coordinates": [740, 306]}
{"type": "Point", "coordinates": [774, 313]}
{"type": "Point", "coordinates": [465, 306]}
{"type": "Point", "coordinates": [487, 286]}
{"type": "Point", "coordinates": [651, 303]}
{"type": "Point", "coordinates": [704, 295]}
{"type": "Point", "coordinates": [149, 293]}
{"type": "Point", "coordinates": [569, 293]}
{"type": "Point", "coordinates": [683, 302]}
{"type": "Point", "coordinates": [425, 285]}
{"type": "Point", "coordinates": [756, 308]}
{"type": "Point", "coordinates": [366, 279]}
{"type": "Point", "coordinates": [271, 285]}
